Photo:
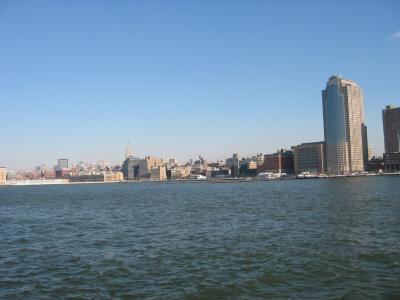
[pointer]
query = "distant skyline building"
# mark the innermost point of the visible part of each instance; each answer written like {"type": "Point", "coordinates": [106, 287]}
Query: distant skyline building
{"type": "Point", "coordinates": [180, 172]}
{"type": "Point", "coordinates": [3, 175]}
{"type": "Point", "coordinates": [310, 157]}
{"type": "Point", "coordinates": [344, 129]}
{"type": "Point", "coordinates": [130, 168]}
{"type": "Point", "coordinates": [62, 163]}
{"type": "Point", "coordinates": [148, 163]}
{"type": "Point", "coordinates": [158, 173]}
{"type": "Point", "coordinates": [102, 164]}
{"type": "Point", "coordinates": [259, 159]}
{"type": "Point", "coordinates": [391, 132]}
{"type": "Point", "coordinates": [391, 128]}
{"type": "Point", "coordinates": [233, 163]}
{"type": "Point", "coordinates": [173, 162]}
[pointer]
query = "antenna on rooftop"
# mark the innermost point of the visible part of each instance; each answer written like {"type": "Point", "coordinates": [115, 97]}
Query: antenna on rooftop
{"type": "Point", "coordinates": [128, 151]}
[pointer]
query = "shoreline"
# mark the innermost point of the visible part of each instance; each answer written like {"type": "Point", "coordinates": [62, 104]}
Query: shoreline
{"type": "Point", "coordinates": [41, 182]}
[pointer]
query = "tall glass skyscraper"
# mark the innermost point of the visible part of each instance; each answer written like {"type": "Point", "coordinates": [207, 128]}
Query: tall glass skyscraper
{"type": "Point", "coordinates": [344, 128]}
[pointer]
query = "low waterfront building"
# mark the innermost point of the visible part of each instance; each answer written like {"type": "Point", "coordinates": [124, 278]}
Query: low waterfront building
{"type": "Point", "coordinates": [392, 162]}
{"type": "Point", "coordinates": [197, 170]}
{"type": "Point", "coordinates": [279, 162]}
{"type": "Point", "coordinates": [233, 163]}
{"type": "Point", "coordinates": [375, 164]}
{"type": "Point", "coordinates": [41, 181]}
{"type": "Point", "coordinates": [61, 173]}
{"type": "Point", "coordinates": [309, 157]}
{"type": "Point", "coordinates": [48, 174]}
{"type": "Point", "coordinates": [158, 173]}
{"type": "Point", "coordinates": [11, 175]}
{"type": "Point", "coordinates": [100, 177]}
{"type": "Point", "coordinates": [248, 168]}
{"type": "Point", "coordinates": [180, 172]}
{"type": "Point", "coordinates": [3, 175]}
{"type": "Point", "coordinates": [259, 159]}
{"type": "Point", "coordinates": [221, 173]}
{"type": "Point", "coordinates": [113, 176]}
{"type": "Point", "coordinates": [147, 164]}
{"type": "Point", "coordinates": [86, 178]}
{"type": "Point", "coordinates": [172, 162]}
{"type": "Point", "coordinates": [199, 167]}
{"type": "Point", "coordinates": [252, 165]}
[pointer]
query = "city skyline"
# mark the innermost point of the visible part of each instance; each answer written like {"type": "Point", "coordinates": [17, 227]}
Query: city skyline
{"type": "Point", "coordinates": [232, 84]}
{"type": "Point", "coordinates": [129, 151]}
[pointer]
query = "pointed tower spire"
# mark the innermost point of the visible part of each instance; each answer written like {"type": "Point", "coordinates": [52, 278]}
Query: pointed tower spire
{"type": "Point", "coordinates": [128, 151]}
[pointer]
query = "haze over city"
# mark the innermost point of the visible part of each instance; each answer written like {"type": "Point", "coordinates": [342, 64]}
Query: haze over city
{"type": "Point", "coordinates": [79, 80]}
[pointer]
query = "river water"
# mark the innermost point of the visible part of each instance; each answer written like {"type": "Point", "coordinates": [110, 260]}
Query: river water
{"type": "Point", "coordinates": [319, 239]}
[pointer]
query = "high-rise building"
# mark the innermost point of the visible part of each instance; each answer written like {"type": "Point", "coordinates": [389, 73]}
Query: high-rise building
{"type": "Point", "coordinates": [366, 148]}
{"type": "Point", "coordinates": [310, 157]}
{"type": "Point", "coordinates": [130, 167]}
{"type": "Point", "coordinates": [391, 128]}
{"type": "Point", "coordinates": [344, 129]}
{"type": "Point", "coordinates": [62, 163]}
{"type": "Point", "coordinates": [391, 132]}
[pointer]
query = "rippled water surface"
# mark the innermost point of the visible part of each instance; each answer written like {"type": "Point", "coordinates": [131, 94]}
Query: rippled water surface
{"type": "Point", "coordinates": [324, 238]}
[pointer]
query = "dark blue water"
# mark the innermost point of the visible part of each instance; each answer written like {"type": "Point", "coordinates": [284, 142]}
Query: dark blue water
{"type": "Point", "coordinates": [321, 239]}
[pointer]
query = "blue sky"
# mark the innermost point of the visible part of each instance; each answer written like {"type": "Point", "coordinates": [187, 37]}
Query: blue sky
{"type": "Point", "coordinates": [79, 79]}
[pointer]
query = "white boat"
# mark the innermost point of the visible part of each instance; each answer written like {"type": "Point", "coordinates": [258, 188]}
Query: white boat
{"type": "Point", "coordinates": [267, 176]}
{"type": "Point", "coordinates": [197, 177]}
{"type": "Point", "coordinates": [306, 175]}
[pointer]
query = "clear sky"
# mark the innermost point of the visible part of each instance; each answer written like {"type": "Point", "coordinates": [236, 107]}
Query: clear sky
{"type": "Point", "coordinates": [78, 79]}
